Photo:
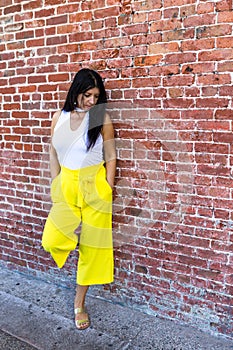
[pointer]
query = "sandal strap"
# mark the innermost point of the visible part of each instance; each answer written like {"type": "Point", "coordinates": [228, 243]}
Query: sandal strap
{"type": "Point", "coordinates": [80, 322]}
{"type": "Point", "coordinates": [79, 310]}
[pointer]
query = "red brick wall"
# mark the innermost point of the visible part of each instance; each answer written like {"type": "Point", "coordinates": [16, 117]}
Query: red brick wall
{"type": "Point", "coordinates": [168, 70]}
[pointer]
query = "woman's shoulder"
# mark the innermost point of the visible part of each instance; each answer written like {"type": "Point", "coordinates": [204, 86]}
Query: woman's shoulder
{"type": "Point", "coordinates": [55, 118]}
{"type": "Point", "coordinates": [56, 115]}
{"type": "Point", "coordinates": [107, 130]}
{"type": "Point", "coordinates": [107, 119]}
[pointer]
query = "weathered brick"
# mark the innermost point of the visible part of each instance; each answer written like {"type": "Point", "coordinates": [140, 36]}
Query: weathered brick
{"type": "Point", "coordinates": [213, 31]}
{"type": "Point", "coordinates": [147, 60]}
{"type": "Point", "coordinates": [32, 5]}
{"type": "Point", "coordinates": [205, 7]}
{"type": "Point", "coordinates": [216, 55]}
{"type": "Point", "coordinates": [180, 34]}
{"type": "Point", "coordinates": [135, 29]}
{"type": "Point", "coordinates": [107, 12]}
{"type": "Point", "coordinates": [214, 79]}
{"type": "Point", "coordinates": [201, 44]}
{"type": "Point", "coordinates": [12, 9]}
{"type": "Point", "coordinates": [160, 48]}
{"type": "Point", "coordinates": [179, 58]}
{"type": "Point", "coordinates": [225, 16]}
{"type": "Point", "coordinates": [201, 20]}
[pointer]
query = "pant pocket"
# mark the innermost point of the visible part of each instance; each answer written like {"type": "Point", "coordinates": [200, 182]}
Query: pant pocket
{"type": "Point", "coordinates": [55, 189]}
{"type": "Point", "coordinates": [103, 188]}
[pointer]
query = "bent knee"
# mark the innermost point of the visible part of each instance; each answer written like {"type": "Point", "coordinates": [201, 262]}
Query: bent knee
{"type": "Point", "coordinates": [46, 246]}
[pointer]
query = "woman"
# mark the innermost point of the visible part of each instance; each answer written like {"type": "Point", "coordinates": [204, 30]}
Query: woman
{"type": "Point", "coordinates": [82, 162]}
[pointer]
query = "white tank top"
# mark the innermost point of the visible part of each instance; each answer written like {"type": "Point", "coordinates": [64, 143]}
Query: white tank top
{"type": "Point", "coordinates": [71, 146]}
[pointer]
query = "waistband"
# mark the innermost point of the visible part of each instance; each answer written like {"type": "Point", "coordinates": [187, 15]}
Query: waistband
{"type": "Point", "coordinates": [86, 171]}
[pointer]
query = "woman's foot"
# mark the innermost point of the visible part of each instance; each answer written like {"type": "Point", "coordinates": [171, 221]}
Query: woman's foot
{"type": "Point", "coordinates": [81, 318]}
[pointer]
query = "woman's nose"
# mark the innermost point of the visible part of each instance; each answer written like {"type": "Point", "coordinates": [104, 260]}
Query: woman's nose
{"type": "Point", "coordinates": [92, 100]}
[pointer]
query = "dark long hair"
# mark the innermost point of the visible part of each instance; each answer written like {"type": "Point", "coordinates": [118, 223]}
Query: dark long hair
{"type": "Point", "coordinates": [85, 80]}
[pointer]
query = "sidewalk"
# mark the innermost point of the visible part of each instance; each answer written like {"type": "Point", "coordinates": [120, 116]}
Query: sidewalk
{"type": "Point", "coordinates": [40, 314]}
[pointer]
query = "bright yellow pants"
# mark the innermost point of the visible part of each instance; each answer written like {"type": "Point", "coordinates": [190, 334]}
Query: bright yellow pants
{"type": "Point", "coordinates": [83, 197]}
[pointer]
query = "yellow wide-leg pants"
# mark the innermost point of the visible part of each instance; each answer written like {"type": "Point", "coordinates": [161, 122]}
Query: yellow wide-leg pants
{"type": "Point", "coordinates": [83, 197]}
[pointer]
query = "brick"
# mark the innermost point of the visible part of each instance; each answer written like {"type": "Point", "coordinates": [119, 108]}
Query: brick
{"type": "Point", "coordinates": [32, 5]}
{"type": "Point", "coordinates": [97, 25]}
{"type": "Point", "coordinates": [175, 92]}
{"type": "Point", "coordinates": [225, 66]}
{"type": "Point", "coordinates": [213, 125]}
{"type": "Point", "coordinates": [35, 42]}
{"type": "Point", "coordinates": [178, 80]}
{"type": "Point", "coordinates": [146, 39]}
{"type": "Point", "coordinates": [147, 60]}
{"type": "Point", "coordinates": [11, 106]}
{"type": "Point", "coordinates": [134, 72]}
{"type": "Point", "coordinates": [226, 42]}
{"type": "Point", "coordinates": [225, 16]}
{"type": "Point", "coordinates": [147, 6]}
{"type": "Point", "coordinates": [210, 148]}
{"type": "Point", "coordinates": [58, 40]}
{"type": "Point", "coordinates": [212, 170]}
{"type": "Point", "coordinates": [213, 79]}
{"type": "Point", "coordinates": [108, 33]}
{"type": "Point", "coordinates": [135, 29]}
{"type": "Point", "coordinates": [223, 114]}
{"type": "Point", "coordinates": [82, 16]}
{"type": "Point", "coordinates": [12, 9]}
{"type": "Point", "coordinates": [226, 91]}
{"type": "Point", "coordinates": [145, 82]}
{"type": "Point", "coordinates": [109, 53]}
{"type": "Point", "coordinates": [164, 70]}
{"type": "Point", "coordinates": [201, 20]}
{"type": "Point", "coordinates": [197, 68]}
{"type": "Point", "coordinates": [168, 13]}
{"type": "Point", "coordinates": [178, 103]}
{"type": "Point", "coordinates": [160, 48]}
{"type": "Point", "coordinates": [57, 20]}
{"type": "Point", "coordinates": [139, 18]}
{"type": "Point", "coordinates": [37, 79]}
{"type": "Point", "coordinates": [53, 2]}
{"type": "Point", "coordinates": [136, 51]}
{"type": "Point", "coordinates": [88, 5]}
{"type": "Point", "coordinates": [206, 7]}
{"type": "Point", "coordinates": [70, 8]}
{"type": "Point", "coordinates": [35, 23]}
{"type": "Point", "coordinates": [212, 103]}
{"type": "Point", "coordinates": [18, 45]}
{"type": "Point", "coordinates": [79, 37]}
{"type": "Point", "coordinates": [124, 19]}
{"type": "Point", "coordinates": [201, 44]}
{"type": "Point", "coordinates": [213, 31]}
{"type": "Point", "coordinates": [179, 58]}
{"type": "Point", "coordinates": [58, 77]}
{"type": "Point", "coordinates": [180, 34]}
{"type": "Point", "coordinates": [224, 5]}
{"type": "Point", "coordinates": [108, 12]}
{"type": "Point", "coordinates": [223, 137]}
{"type": "Point", "coordinates": [110, 22]}
{"type": "Point", "coordinates": [165, 25]}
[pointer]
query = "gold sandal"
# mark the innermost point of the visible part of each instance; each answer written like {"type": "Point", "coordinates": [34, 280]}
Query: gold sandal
{"type": "Point", "coordinates": [81, 324]}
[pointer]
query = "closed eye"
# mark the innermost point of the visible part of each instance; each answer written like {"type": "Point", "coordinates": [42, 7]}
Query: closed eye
{"type": "Point", "coordinates": [89, 95]}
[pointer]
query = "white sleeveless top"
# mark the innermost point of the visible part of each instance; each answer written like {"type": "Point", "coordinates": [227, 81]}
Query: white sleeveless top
{"type": "Point", "coordinates": [71, 146]}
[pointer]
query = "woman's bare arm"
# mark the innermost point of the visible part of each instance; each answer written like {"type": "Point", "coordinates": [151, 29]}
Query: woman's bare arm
{"type": "Point", "coordinates": [54, 163]}
{"type": "Point", "coordinates": [109, 150]}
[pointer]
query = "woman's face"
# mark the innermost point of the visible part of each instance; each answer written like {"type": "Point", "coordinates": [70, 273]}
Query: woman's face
{"type": "Point", "coordinates": [88, 99]}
